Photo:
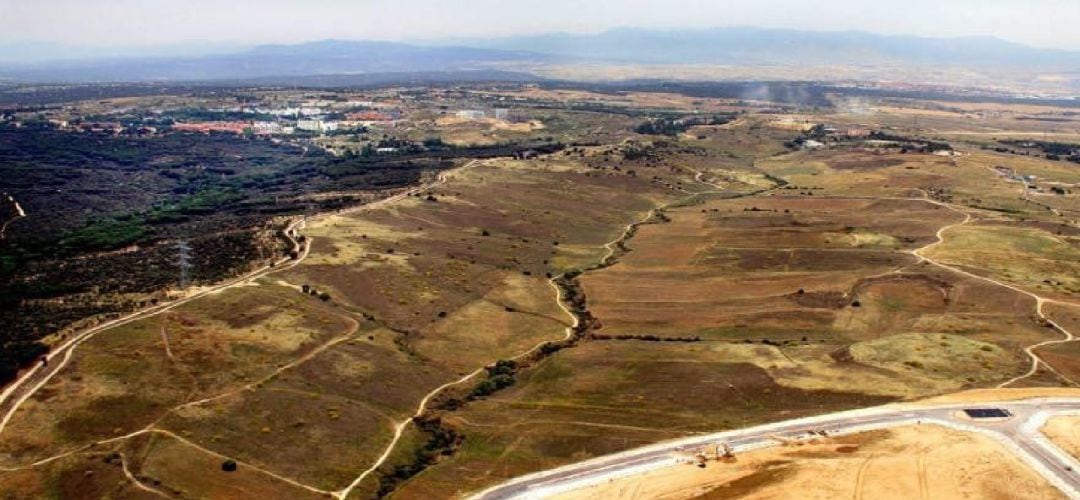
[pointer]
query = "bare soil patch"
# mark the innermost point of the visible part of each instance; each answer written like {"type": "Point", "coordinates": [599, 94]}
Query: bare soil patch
{"type": "Point", "coordinates": [909, 462]}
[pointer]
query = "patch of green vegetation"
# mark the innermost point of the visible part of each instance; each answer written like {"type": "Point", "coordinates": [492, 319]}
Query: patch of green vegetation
{"type": "Point", "coordinates": [892, 304]}
{"type": "Point", "coordinates": [673, 127]}
{"type": "Point", "coordinates": [499, 376]}
{"type": "Point", "coordinates": [106, 234]}
{"type": "Point", "coordinates": [936, 355]}
{"type": "Point", "coordinates": [208, 201]}
{"type": "Point", "coordinates": [442, 441]}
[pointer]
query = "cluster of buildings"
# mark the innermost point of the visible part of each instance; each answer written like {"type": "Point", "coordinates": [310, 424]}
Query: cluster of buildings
{"type": "Point", "coordinates": [310, 116]}
{"type": "Point", "coordinates": [471, 114]}
{"type": "Point", "coordinates": [1010, 173]}
{"type": "Point", "coordinates": [207, 127]}
{"type": "Point", "coordinates": [114, 128]}
{"type": "Point", "coordinates": [272, 114]}
{"type": "Point", "coordinates": [317, 125]}
{"type": "Point", "coordinates": [281, 112]}
{"type": "Point", "coordinates": [475, 114]}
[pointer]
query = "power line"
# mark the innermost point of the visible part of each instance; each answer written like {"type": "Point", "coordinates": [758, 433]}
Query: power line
{"type": "Point", "coordinates": [183, 261]}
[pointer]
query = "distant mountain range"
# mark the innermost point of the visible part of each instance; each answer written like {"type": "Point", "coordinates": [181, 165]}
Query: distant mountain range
{"type": "Point", "coordinates": [328, 57]}
{"type": "Point", "coordinates": [755, 46]}
{"type": "Point", "coordinates": [723, 46]}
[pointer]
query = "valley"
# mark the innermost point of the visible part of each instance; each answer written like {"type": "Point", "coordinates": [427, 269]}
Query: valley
{"type": "Point", "coordinates": [557, 285]}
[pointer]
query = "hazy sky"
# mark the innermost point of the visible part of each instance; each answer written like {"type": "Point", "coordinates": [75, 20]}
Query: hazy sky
{"type": "Point", "coordinates": [1046, 23]}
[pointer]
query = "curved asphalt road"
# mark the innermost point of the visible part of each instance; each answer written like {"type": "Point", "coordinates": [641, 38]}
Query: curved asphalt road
{"type": "Point", "coordinates": [1019, 434]}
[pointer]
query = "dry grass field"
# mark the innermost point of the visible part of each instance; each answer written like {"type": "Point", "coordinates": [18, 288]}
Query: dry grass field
{"type": "Point", "coordinates": [865, 307]}
{"type": "Point", "coordinates": [1033, 258]}
{"type": "Point", "coordinates": [184, 471]}
{"type": "Point", "coordinates": [1065, 433]}
{"type": "Point", "coordinates": [603, 397]}
{"type": "Point", "coordinates": [421, 292]}
{"type": "Point", "coordinates": [1064, 358]}
{"type": "Point", "coordinates": [870, 325]}
{"type": "Point", "coordinates": [812, 295]}
{"type": "Point", "coordinates": [462, 276]}
{"type": "Point", "coordinates": [216, 346]}
{"type": "Point", "coordinates": [717, 278]}
{"type": "Point", "coordinates": [82, 476]}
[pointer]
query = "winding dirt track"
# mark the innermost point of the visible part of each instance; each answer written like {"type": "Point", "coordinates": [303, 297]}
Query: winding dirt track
{"type": "Point", "coordinates": [612, 249]}
{"type": "Point", "coordinates": [38, 376]}
{"type": "Point", "coordinates": [1040, 301]}
{"type": "Point", "coordinates": [19, 213]}
{"type": "Point", "coordinates": [35, 378]}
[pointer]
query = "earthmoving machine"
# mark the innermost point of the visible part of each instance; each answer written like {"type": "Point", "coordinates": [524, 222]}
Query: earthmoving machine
{"type": "Point", "coordinates": [718, 451]}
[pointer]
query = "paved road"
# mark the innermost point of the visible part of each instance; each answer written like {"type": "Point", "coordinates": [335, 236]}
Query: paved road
{"type": "Point", "coordinates": [1019, 433]}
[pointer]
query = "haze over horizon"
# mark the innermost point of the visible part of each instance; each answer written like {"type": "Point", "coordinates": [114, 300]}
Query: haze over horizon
{"type": "Point", "coordinates": [209, 26]}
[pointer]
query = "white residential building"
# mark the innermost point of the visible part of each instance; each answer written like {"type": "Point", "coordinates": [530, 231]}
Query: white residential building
{"type": "Point", "coordinates": [267, 128]}
{"type": "Point", "coordinates": [471, 114]}
{"type": "Point", "coordinates": [317, 125]}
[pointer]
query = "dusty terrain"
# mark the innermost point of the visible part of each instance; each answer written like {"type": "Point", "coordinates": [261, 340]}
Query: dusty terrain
{"type": "Point", "coordinates": [907, 462]}
{"type": "Point", "coordinates": [1064, 432]}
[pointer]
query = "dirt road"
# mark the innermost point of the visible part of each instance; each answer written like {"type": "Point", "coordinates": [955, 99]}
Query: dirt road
{"type": "Point", "coordinates": [19, 213]}
{"type": "Point", "coordinates": [36, 377]}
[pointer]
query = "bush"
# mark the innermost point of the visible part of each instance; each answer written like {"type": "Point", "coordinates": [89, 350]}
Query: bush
{"type": "Point", "coordinates": [105, 235]}
{"type": "Point", "coordinates": [500, 376]}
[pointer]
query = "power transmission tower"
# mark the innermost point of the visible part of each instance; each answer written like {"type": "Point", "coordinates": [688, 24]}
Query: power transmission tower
{"type": "Point", "coordinates": [183, 261]}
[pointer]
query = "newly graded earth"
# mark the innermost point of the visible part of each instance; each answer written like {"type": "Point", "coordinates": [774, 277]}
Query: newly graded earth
{"type": "Point", "coordinates": [907, 462]}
